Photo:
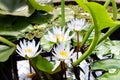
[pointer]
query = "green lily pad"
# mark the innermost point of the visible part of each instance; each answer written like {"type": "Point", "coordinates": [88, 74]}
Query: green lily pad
{"type": "Point", "coordinates": [110, 76]}
{"type": "Point", "coordinates": [106, 64]}
{"type": "Point", "coordinates": [13, 26]}
{"type": "Point", "coordinates": [16, 7]}
{"type": "Point", "coordinates": [5, 52]}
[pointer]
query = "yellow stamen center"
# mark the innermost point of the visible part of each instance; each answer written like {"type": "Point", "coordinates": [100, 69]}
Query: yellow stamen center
{"type": "Point", "coordinates": [28, 50]}
{"type": "Point", "coordinates": [63, 54]}
{"type": "Point", "coordinates": [58, 36]}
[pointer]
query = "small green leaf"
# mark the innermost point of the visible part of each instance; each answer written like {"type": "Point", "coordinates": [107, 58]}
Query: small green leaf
{"type": "Point", "coordinates": [5, 52]}
{"type": "Point", "coordinates": [106, 64]}
{"type": "Point", "coordinates": [39, 6]}
{"type": "Point", "coordinates": [45, 65]}
{"type": "Point", "coordinates": [110, 76]}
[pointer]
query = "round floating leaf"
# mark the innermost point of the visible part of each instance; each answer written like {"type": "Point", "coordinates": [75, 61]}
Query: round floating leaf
{"type": "Point", "coordinates": [110, 76]}
{"type": "Point", "coordinates": [106, 64]}
{"type": "Point", "coordinates": [16, 7]}
{"type": "Point", "coordinates": [13, 26]}
{"type": "Point", "coordinates": [115, 48]}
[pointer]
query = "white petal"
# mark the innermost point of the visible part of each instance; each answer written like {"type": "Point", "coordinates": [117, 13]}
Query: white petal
{"type": "Point", "coordinates": [67, 35]}
{"type": "Point", "coordinates": [33, 46]}
{"type": "Point", "coordinates": [25, 43]}
{"type": "Point", "coordinates": [36, 47]}
{"type": "Point", "coordinates": [51, 37]}
{"type": "Point", "coordinates": [55, 55]}
{"type": "Point", "coordinates": [22, 45]}
{"type": "Point", "coordinates": [19, 51]}
{"type": "Point", "coordinates": [67, 49]}
{"type": "Point", "coordinates": [37, 53]}
{"type": "Point", "coordinates": [49, 33]}
{"type": "Point", "coordinates": [33, 43]}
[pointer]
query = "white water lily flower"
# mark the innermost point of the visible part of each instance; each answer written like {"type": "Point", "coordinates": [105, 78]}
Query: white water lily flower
{"type": "Point", "coordinates": [28, 49]}
{"type": "Point", "coordinates": [63, 53]}
{"type": "Point", "coordinates": [78, 24]}
{"type": "Point", "coordinates": [58, 35]}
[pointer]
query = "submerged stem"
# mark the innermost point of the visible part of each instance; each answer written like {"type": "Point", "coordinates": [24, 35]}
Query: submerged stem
{"type": "Point", "coordinates": [64, 70]}
{"type": "Point", "coordinates": [35, 69]}
{"type": "Point", "coordinates": [77, 49]}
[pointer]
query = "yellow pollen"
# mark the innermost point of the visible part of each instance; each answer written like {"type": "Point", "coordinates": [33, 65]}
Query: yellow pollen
{"type": "Point", "coordinates": [58, 36]}
{"type": "Point", "coordinates": [63, 53]}
{"type": "Point", "coordinates": [28, 50]}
